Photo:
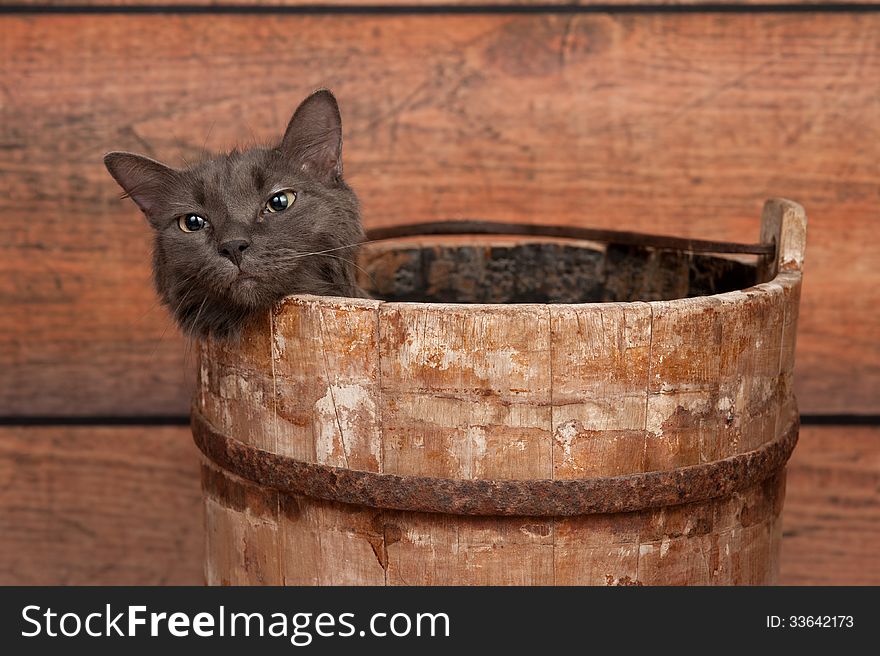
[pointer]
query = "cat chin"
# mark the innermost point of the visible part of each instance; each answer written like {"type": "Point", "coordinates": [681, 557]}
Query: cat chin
{"type": "Point", "coordinates": [222, 319]}
{"type": "Point", "coordinates": [246, 292]}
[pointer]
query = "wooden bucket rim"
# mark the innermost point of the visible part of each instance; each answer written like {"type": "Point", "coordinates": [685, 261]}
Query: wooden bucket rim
{"type": "Point", "coordinates": [780, 251]}
{"type": "Point", "coordinates": [782, 280]}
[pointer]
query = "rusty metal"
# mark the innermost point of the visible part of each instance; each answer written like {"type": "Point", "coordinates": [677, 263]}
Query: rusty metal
{"type": "Point", "coordinates": [547, 498]}
{"type": "Point", "coordinates": [568, 232]}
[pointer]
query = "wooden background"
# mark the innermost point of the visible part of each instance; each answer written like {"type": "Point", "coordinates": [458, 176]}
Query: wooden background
{"type": "Point", "coordinates": [673, 118]}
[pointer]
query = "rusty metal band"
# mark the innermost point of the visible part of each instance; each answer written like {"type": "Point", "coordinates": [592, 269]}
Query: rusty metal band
{"type": "Point", "coordinates": [500, 497]}
{"type": "Point", "coordinates": [567, 232]}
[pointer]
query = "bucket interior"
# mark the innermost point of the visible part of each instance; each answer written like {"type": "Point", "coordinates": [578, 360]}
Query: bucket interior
{"type": "Point", "coordinates": [476, 269]}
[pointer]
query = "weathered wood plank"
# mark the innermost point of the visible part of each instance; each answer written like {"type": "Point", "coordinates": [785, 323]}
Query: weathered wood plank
{"type": "Point", "coordinates": [100, 506]}
{"type": "Point", "coordinates": [652, 142]}
{"type": "Point", "coordinates": [325, 366]}
{"type": "Point", "coordinates": [411, 3]}
{"type": "Point", "coordinates": [599, 366]}
{"type": "Point", "coordinates": [716, 542]}
{"type": "Point", "coordinates": [466, 390]}
{"type": "Point", "coordinates": [426, 549]}
{"type": "Point", "coordinates": [242, 531]}
{"type": "Point", "coordinates": [242, 388]}
{"type": "Point", "coordinates": [326, 543]}
{"type": "Point", "coordinates": [685, 366]}
{"type": "Point", "coordinates": [121, 506]}
{"type": "Point", "coordinates": [831, 520]}
{"type": "Point", "coordinates": [751, 392]}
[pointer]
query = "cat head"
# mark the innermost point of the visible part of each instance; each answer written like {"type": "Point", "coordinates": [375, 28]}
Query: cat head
{"type": "Point", "coordinates": [237, 232]}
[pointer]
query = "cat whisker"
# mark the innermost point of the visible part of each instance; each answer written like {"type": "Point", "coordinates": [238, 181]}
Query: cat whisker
{"type": "Point", "coordinates": [208, 136]}
{"type": "Point", "coordinates": [356, 266]}
{"type": "Point", "coordinates": [250, 128]}
{"type": "Point", "coordinates": [176, 311]}
{"type": "Point", "coordinates": [159, 341]}
{"type": "Point", "coordinates": [188, 347]}
{"type": "Point", "coordinates": [151, 308]}
{"type": "Point", "coordinates": [298, 255]}
{"type": "Point", "coordinates": [329, 250]}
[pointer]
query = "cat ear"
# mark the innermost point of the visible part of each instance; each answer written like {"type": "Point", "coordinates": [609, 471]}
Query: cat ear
{"type": "Point", "coordinates": [313, 138]}
{"type": "Point", "coordinates": [144, 180]}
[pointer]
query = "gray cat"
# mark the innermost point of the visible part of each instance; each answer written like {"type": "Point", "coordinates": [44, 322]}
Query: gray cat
{"type": "Point", "coordinates": [237, 232]}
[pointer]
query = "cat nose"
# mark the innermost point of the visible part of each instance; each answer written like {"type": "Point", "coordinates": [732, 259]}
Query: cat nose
{"type": "Point", "coordinates": [233, 249]}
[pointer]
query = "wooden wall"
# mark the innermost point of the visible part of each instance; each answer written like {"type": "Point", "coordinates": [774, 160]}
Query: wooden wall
{"type": "Point", "coordinates": [121, 506]}
{"type": "Point", "coordinates": [672, 118]}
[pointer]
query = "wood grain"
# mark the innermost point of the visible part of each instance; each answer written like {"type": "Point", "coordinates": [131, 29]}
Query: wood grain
{"type": "Point", "coordinates": [599, 367]}
{"type": "Point", "coordinates": [242, 533]}
{"type": "Point", "coordinates": [831, 522]}
{"type": "Point", "coordinates": [121, 506]}
{"type": "Point", "coordinates": [326, 370]}
{"type": "Point", "coordinates": [412, 3]}
{"type": "Point", "coordinates": [465, 390]}
{"type": "Point", "coordinates": [100, 506]}
{"type": "Point", "coordinates": [588, 119]}
{"type": "Point", "coordinates": [330, 544]}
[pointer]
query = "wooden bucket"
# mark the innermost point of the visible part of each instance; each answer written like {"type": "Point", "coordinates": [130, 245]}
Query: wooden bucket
{"type": "Point", "coordinates": [561, 412]}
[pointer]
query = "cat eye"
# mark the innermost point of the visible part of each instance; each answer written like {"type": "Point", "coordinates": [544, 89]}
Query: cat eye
{"type": "Point", "coordinates": [280, 201]}
{"type": "Point", "coordinates": [191, 222]}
